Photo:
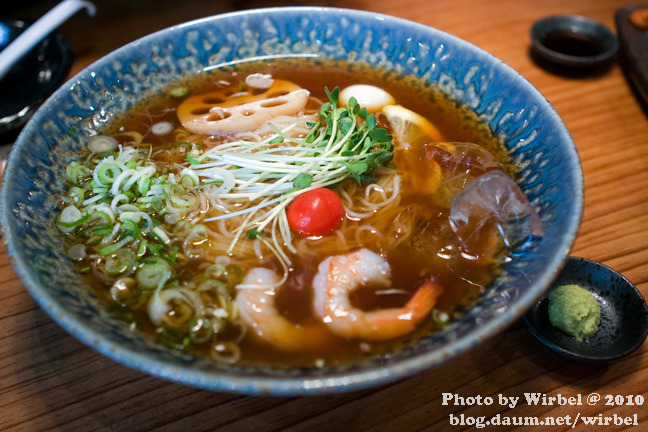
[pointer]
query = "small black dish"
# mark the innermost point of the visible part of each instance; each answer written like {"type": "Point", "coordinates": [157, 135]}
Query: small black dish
{"type": "Point", "coordinates": [33, 78]}
{"type": "Point", "coordinates": [624, 314]}
{"type": "Point", "coordinates": [573, 41]}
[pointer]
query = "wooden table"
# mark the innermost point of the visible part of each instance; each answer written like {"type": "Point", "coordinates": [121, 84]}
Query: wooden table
{"type": "Point", "coordinates": [49, 380]}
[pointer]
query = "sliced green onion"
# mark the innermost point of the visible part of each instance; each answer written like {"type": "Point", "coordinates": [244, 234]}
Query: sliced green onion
{"type": "Point", "coordinates": [182, 202]}
{"type": "Point", "coordinates": [198, 234]}
{"type": "Point", "coordinates": [108, 172]}
{"type": "Point", "coordinates": [216, 182]}
{"type": "Point", "coordinates": [76, 193]}
{"type": "Point", "coordinates": [215, 271]}
{"type": "Point", "coordinates": [70, 218]}
{"type": "Point", "coordinates": [153, 271]}
{"type": "Point", "coordinates": [77, 252]}
{"type": "Point", "coordinates": [94, 199]}
{"type": "Point", "coordinates": [154, 248]}
{"type": "Point", "coordinates": [131, 164]}
{"type": "Point", "coordinates": [117, 182]}
{"type": "Point", "coordinates": [178, 91]}
{"type": "Point", "coordinates": [235, 275]}
{"type": "Point", "coordinates": [161, 235]}
{"type": "Point", "coordinates": [189, 178]}
{"type": "Point", "coordinates": [156, 204]}
{"type": "Point", "coordinates": [119, 262]}
{"type": "Point", "coordinates": [115, 246]}
{"type": "Point", "coordinates": [141, 250]}
{"type": "Point", "coordinates": [102, 144]}
{"type": "Point", "coordinates": [130, 227]}
{"type": "Point", "coordinates": [216, 287]}
{"type": "Point", "coordinates": [192, 160]}
{"type": "Point", "coordinates": [172, 218]}
{"type": "Point", "coordinates": [143, 185]}
{"type": "Point", "coordinates": [182, 228]}
{"type": "Point", "coordinates": [104, 216]}
{"type": "Point", "coordinates": [102, 229]}
{"type": "Point", "coordinates": [128, 208]}
{"type": "Point", "coordinates": [200, 330]}
{"type": "Point", "coordinates": [174, 255]}
{"type": "Point", "coordinates": [133, 216]}
{"type": "Point", "coordinates": [440, 317]}
{"type": "Point", "coordinates": [162, 128]}
{"type": "Point", "coordinates": [75, 171]}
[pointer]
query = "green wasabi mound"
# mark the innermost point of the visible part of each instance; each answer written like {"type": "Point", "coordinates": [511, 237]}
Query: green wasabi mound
{"type": "Point", "coordinates": [574, 310]}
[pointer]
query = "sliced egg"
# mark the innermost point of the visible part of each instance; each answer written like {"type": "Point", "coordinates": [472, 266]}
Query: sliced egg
{"type": "Point", "coordinates": [371, 97]}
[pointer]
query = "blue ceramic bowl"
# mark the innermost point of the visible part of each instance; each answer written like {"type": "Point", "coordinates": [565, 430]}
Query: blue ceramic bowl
{"type": "Point", "coordinates": [537, 139]}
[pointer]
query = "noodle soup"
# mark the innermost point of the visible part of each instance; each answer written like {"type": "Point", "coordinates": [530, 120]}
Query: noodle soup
{"type": "Point", "coordinates": [258, 214]}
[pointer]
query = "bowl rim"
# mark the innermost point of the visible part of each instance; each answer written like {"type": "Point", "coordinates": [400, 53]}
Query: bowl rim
{"type": "Point", "coordinates": [287, 385]}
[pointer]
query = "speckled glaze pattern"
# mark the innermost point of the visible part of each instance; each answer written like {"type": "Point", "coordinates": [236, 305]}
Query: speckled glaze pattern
{"type": "Point", "coordinates": [539, 143]}
{"type": "Point", "coordinates": [624, 314]}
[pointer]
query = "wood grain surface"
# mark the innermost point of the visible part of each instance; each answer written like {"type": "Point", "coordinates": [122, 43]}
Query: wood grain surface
{"type": "Point", "coordinates": [50, 381]}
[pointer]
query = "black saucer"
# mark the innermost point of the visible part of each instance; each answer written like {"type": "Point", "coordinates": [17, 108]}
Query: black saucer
{"type": "Point", "coordinates": [32, 79]}
{"type": "Point", "coordinates": [624, 314]}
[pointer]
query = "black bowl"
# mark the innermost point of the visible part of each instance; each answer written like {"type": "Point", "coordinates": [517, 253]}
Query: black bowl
{"type": "Point", "coordinates": [624, 314]}
{"type": "Point", "coordinates": [573, 41]}
{"type": "Point", "coordinates": [33, 78]}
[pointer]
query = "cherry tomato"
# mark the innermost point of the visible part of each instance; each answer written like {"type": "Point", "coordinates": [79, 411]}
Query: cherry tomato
{"type": "Point", "coordinates": [315, 213]}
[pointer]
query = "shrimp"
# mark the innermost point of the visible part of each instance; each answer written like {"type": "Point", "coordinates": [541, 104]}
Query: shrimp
{"type": "Point", "coordinates": [256, 306]}
{"type": "Point", "coordinates": [339, 275]}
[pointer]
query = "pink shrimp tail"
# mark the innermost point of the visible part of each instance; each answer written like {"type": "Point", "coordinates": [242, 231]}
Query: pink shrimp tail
{"type": "Point", "coordinates": [425, 298]}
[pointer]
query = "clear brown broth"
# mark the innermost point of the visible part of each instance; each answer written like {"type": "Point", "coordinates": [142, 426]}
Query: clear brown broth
{"type": "Point", "coordinates": [407, 263]}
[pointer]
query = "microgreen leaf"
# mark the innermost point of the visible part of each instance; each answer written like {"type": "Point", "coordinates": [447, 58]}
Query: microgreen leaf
{"type": "Point", "coordinates": [353, 105]}
{"type": "Point", "coordinates": [333, 95]}
{"type": "Point", "coordinates": [383, 158]}
{"type": "Point", "coordinates": [302, 181]}
{"type": "Point", "coordinates": [192, 160]}
{"type": "Point", "coordinates": [371, 120]}
{"type": "Point", "coordinates": [346, 124]}
{"type": "Point", "coordinates": [358, 167]}
{"type": "Point", "coordinates": [254, 234]}
{"type": "Point", "coordinates": [324, 109]}
{"type": "Point", "coordinates": [380, 135]}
